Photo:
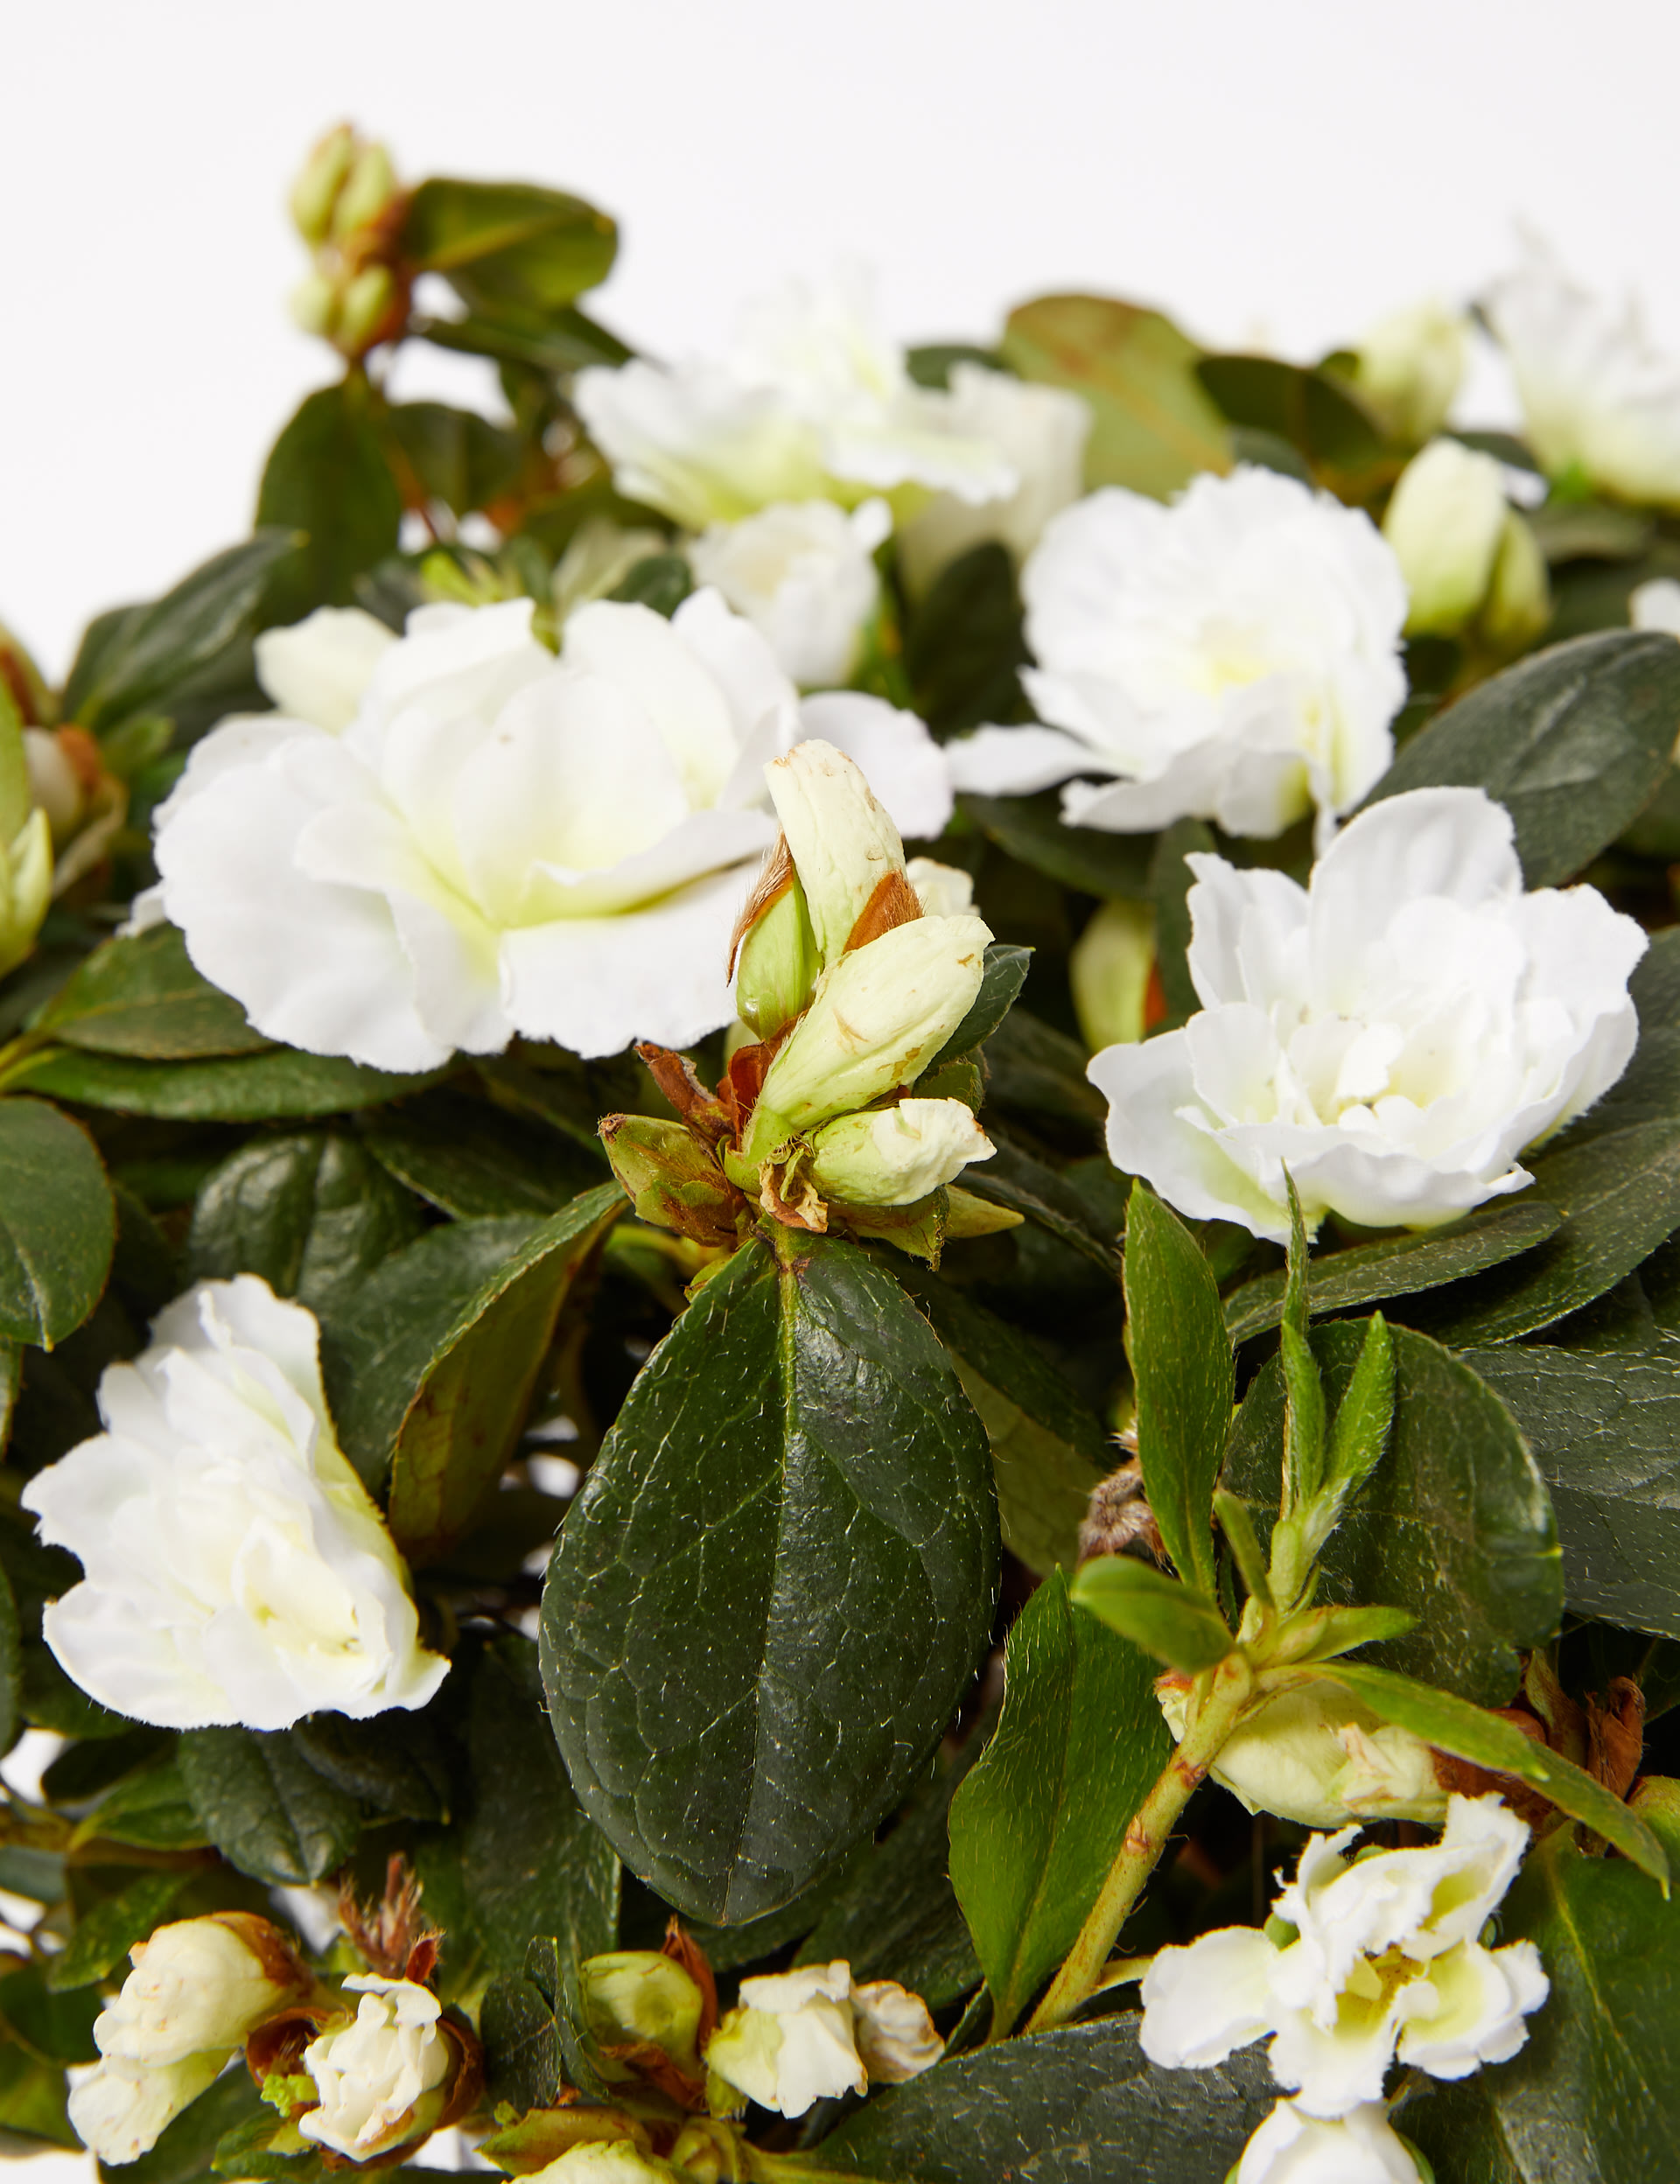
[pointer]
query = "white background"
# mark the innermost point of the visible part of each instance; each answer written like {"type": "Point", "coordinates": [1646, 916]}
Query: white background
{"type": "Point", "coordinates": [1276, 171]}
{"type": "Point", "coordinates": [1271, 170]}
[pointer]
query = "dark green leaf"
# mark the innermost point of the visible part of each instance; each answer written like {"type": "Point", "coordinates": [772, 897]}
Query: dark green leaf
{"type": "Point", "coordinates": [151, 1809]}
{"type": "Point", "coordinates": [964, 647]}
{"type": "Point", "coordinates": [314, 1214]}
{"type": "Point", "coordinates": [145, 1267]}
{"type": "Point", "coordinates": [33, 2103]}
{"type": "Point", "coordinates": [532, 1864]}
{"type": "Point", "coordinates": [473, 1161]}
{"type": "Point", "coordinates": [132, 660]}
{"type": "Point", "coordinates": [1454, 1525]}
{"type": "Point", "coordinates": [1152, 424]}
{"type": "Point", "coordinates": [1594, 2096]}
{"type": "Point", "coordinates": [1574, 743]}
{"type": "Point", "coordinates": [11, 1665]}
{"type": "Point", "coordinates": [1605, 1433]}
{"type": "Point", "coordinates": [279, 1084]}
{"type": "Point", "coordinates": [1186, 1378]}
{"type": "Point", "coordinates": [1037, 1825]}
{"type": "Point", "coordinates": [437, 1358]}
{"type": "Point", "coordinates": [182, 2154]}
{"type": "Point", "coordinates": [453, 456]}
{"type": "Point", "coordinates": [1035, 1071]}
{"type": "Point", "coordinates": [1030, 829]}
{"type": "Point", "coordinates": [1307, 408]}
{"type": "Point", "coordinates": [1048, 1450]}
{"type": "Point", "coordinates": [1000, 981]}
{"type": "Point", "coordinates": [392, 1762]}
{"type": "Point", "coordinates": [11, 1370]}
{"type": "Point", "coordinates": [522, 2045]}
{"type": "Point", "coordinates": [58, 1225]}
{"type": "Point", "coordinates": [1068, 2107]}
{"type": "Point", "coordinates": [104, 1936]}
{"type": "Point", "coordinates": [140, 997]}
{"type": "Point", "coordinates": [328, 477]}
{"type": "Point", "coordinates": [1165, 1617]}
{"type": "Point", "coordinates": [1454, 1724]}
{"type": "Point", "coordinates": [790, 1537]}
{"type": "Point", "coordinates": [58, 2026]}
{"type": "Point", "coordinates": [660, 582]}
{"type": "Point", "coordinates": [1397, 1266]}
{"type": "Point", "coordinates": [264, 1807]}
{"type": "Point", "coordinates": [508, 246]}
{"type": "Point", "coordinates": [559, 341]}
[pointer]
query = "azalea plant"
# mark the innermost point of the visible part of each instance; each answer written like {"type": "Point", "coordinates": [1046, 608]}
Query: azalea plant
{"type": "Point", "coordinates": [839, 1317]}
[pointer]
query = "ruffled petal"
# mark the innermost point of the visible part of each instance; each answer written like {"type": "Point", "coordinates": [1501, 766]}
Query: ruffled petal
{"type": "Point", "coordinates": [1202, 2003]}
{"type": "Point", "coordinates": [1016, 761]}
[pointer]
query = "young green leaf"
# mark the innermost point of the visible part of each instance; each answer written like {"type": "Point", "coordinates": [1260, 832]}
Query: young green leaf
{"type": "Point", "coordinates": [1488, 1740]}
{"type": "Point", "coordinates": [1364, 1416]}
{"type": "Point", "coordinates": [1239, 1535]}
{"type": "Point", "coordinates": [1186, 1378]}
{"type": "Point", "coordinates": [1171, 1620]}
{"type": "Point", "coordinates": [1037, 1825]}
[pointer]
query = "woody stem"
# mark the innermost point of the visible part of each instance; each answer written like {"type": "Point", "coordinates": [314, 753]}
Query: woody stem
{"type": "Point", "coordinates": [1227, 1694]}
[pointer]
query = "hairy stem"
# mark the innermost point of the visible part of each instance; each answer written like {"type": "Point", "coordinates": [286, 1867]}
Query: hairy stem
{"type": "Point", "coordinates": [1227, 1695]}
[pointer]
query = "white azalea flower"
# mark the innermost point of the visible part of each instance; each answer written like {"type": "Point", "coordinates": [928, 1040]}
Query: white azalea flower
{"type": "Point", "coordinates": [501, 842]}
{"type": "Point", "coordinates": [1655, 606]}
{"type": "Point", "coordinates": [1361, 2147]}
{"type": "Point", "coordinates": [234, 1568]}
{"type": "Point", "coordinates": [1041, 431]}
{"type": "Point", "coordinates": [1599, 403]}
{"type": "Point", "coordinates": [801, 2037]}
{"type": "Point", "coordinates": [811, 402]}
{"type": "Point", "coordinates": [1395, 1035]}
{"type": "Point", "coordinates": [379, 2077]}
{"type": "Point", "coordinates": [1410, 367]}
{"type": "Point", "coordinates": [1234, 657]}
{"type": "Point", "coordinates": [317, 669]}
{"type": "Point", "coordinates": [943, 891]}
{"type": "Point", "coordinates": [1386, 1963]}
{"type": "Point", "coordinates": [1444, 521]}
{"type": "Point", "coordinates": [803, 573]}
{"type": "Point", "coordinates": [198, 1989]}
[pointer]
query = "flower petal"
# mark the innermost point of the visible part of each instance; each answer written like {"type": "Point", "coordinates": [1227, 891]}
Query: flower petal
{"type": "Point", "coordinates": [1202, 2003]}
{"type": "Point", "coordinates": [899, 759]}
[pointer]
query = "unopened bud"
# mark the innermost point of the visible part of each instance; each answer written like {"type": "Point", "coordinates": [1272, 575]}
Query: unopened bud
{"type": "Point", "coordinates": [1109, 970]}
{"type": "Point", "coordinates": [25, 888]}
{"type": "Point", "coordinates": [364, 309]}
{"type": "Point", "coordinates": [606, 2161]}
{"type": "Point", "coordinates": [1445, 521]}
{"type": "Point", "coordinates": [316, 190]}
{"type": "Point", "coordinates": [878, 1017]}
{"type": "Point", "coordinates": [1519, 597]}
{"type": "Point", "coordinates": [55, 781]}
{"type": "Point", "coordinates": [844, 844]}
{"type": "Point", "coordinates": [1313, 1754]}
{"type": "Point", "coordinates": [1408, 368]}
{"type": "Point", "coordinates": [369, 188]}
{"type": "Point", "coordinates": [314, 305]}
{"type": "Point", "coordinates": [778, 963]}
{"type": "Point", "coordinates": [671, 1179]}
{"type": "Point", "coordinates": [638, 1996]}
{"type": "Point", "coordinates": [893, 1156]}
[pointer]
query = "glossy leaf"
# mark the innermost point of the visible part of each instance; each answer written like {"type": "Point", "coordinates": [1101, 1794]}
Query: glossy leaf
{"type": "Point", "coordinates": [1594, 2096]}
{"type": "Point", "coordinates": [1049, 1452]}
{"type": "Point", "coordinates": [1182, 1364]}
{"type": "Point", "coordinates": [1605, 1433]}
{"type": "Point", "coordinates": [58, 1225]}
{"type": "Point", "coordinates": [790, 1537]}
{"type": "Point", "coordinates": [313, 1213]}
{"type": "Point", "coordinates": [1454, 1525]}
{"type": "Point", "coordinates": [278, 1084]}
{"type": "Point", "coordinates": [1153, 425]}
{"type": "Point", "coordinates": [265, 1808]}
{"type": "Point", "coordinates": [131, 661]}
{"type": "Point", "coordinates": [1037, 1825]}
{"type": "Point", "coordinates": [1454, 1724]}
{"type": "Point", "coordinates": [473, 1161]}
{"type": "Point", "coordinates": [1397, 1266]}
{"type": "Point", "coordinates": [1002, 978]}
{"type": "Point", "coordinates": [1031, 829]}
{"type": "Point", "coordinates": [140, 997]}
{"type": "Point", "coordinates": [508, 246]}
{"type": "Point", "coordinates": [1063, 2108]}
{"type": "Point", "coordinates": [327, 478]}
{"type": "Point", "coordinates": [1574, 742]}
{"type": "Point", "coordinates": [1306, 408]}
{"type": "Point", "coordinates": [432, 1365]}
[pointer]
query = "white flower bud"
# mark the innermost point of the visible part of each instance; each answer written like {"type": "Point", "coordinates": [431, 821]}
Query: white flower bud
{"type": "Point", "coordinates": [891, 1156]}
{"type": "Point", "coordinates": [1314, 1755]}
{"type": "Point", "coordinates": [638, 1995]}
{"type": "Point", "coordinates": [369, 188]}
{"type": "Point", "coordinates": [1444, 521]}
{"type": "Point", "coordinates": [25, 888]}
{"type": "Point", "coordinates": [381, 2077]}
{"type": "Point", "coordinates": [1293, 2147]}
{"type": "Point", "coordinates": [55, 783]}
{"type": "Point", "coordinates": [1518, 606]}
{"type": "Point", "coordinates": [943, 891]}
{"type": "Point", "coordinates": [318, 669]}
{"type": "Point", "coordinates": [1410, 365]}
{"type": "Point", "coordinates": [878, 1017]}
{"type": "Point", "coordinates": [842, 842]}
{"type": "Point", "coordinates": [803, 573]}
{"type": "Point", "coordinates": [896, 2036]}
{"type": "Point", "coordinates": [316, 190]}
{"type": "Point", "coordinates": [801, 2037]}
{"type": "Point", "coordinates": [1109, 969]}
{"type": "Point", "coordinates": [604, 2161]}
{"type": "Point", "coordinates": [314, 305]}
